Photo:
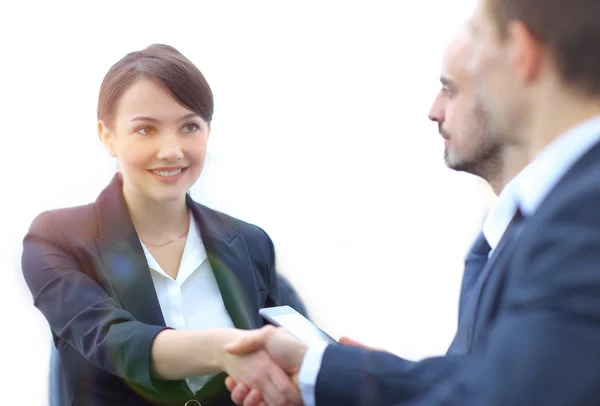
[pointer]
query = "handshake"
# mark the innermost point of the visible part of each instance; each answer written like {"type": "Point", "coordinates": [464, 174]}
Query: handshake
{"type": "Point", "coordinates": [264, 365]}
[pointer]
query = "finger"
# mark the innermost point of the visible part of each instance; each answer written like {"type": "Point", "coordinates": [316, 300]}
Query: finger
{"type": "Point", "coordinates": [250, 342]}
{"type": "Point", "coordinates": [230, 383]}
{"type": "Point", "coordinates": [285, 386]}
{"type": "Point", "coordinates": [351, 342]}
{"type": "Point", "coordinates": [254, 398]}
{"type": "Point", "coordinates": [354, 343]}
{"type": "Point", "coordinates": [239, 393]}
{"type": "Point", "coordinates": [270, 393]}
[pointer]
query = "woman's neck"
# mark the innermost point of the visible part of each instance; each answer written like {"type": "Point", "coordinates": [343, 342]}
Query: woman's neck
{"type": "Point", "coordinates": [156, 221]}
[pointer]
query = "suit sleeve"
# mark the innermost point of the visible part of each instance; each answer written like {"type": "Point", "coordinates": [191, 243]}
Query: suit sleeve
{"type": "Point", "coordinates": [354, 376]}
{"type": "Point", "coordinates": [81, 313]}
{"type": "Point", "coordinates": [543, 347]}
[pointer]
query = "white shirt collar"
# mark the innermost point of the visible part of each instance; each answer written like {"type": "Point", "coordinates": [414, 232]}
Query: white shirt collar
{"type": "Point", "coordinates": [194, 254]}
{"type": "Point", "coordinates": [500, 215]}
{"type": "Point", "coordinates": [551, 164]}
{"type": "Point", "coordinates": [529, 188]}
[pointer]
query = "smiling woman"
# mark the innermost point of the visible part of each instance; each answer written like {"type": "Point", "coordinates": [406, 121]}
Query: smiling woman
{"type": "Point", "coordinates": [144, 287]}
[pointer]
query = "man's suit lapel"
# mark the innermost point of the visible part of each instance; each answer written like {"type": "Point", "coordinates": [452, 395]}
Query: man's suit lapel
{"type": "Point", "coordinates": [491, 274]}
{"type": "Point", "coordinates": [571, 177]}
{"type": "Point", "coordinates": [464, 334]}
{"type": "Point", "coordinates": [123, 257]}
{"type": "Point", "coordinates": [467, 327]}
{"type": "Point", "coordinates": [231, 264]}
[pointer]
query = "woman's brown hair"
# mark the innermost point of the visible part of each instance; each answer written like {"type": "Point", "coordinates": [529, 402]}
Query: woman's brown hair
{"type": "Point", "coordinates": [164, 64]}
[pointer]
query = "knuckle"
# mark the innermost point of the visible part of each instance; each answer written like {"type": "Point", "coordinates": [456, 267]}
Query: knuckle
{"type": "Point", "coordinates": [236, 399]}
{"type": "Point", "coordinates": [259, 379]}
{"type": "Point", "coordinates": [250, 380]}
{"type": "Point", "coordinates": [254, 381]}
{"type": "Point", "coordinates": [263, 368]}
{"type": "Point", "coordinates": [289, 392]}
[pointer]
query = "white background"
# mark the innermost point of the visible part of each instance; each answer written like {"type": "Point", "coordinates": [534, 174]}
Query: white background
{"type": "Point", "coordinates": [320, 136]}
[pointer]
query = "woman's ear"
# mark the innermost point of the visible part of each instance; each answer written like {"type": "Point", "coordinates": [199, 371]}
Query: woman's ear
{"type": "Point", "coordinates": [107, 138]}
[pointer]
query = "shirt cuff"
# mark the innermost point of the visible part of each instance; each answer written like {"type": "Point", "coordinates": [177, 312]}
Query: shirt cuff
{"type": "Point", "coordinates": [309, 370]}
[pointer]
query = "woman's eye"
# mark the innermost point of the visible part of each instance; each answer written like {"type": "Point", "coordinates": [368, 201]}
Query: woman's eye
{"type": "Point", "coordinates": [145, 131]}
{"type": "Point", "coordinates": [191, 128]}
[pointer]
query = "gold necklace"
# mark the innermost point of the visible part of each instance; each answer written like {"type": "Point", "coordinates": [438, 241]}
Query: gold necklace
{"type": "Point", "coordinates": [168, 242]}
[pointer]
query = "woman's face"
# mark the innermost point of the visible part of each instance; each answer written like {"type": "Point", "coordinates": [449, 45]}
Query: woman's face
{"type": "Point", "coordinates": [159, 144]}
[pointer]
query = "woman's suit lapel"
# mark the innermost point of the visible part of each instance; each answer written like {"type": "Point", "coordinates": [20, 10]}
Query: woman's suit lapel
{"type": "Point", "coordinates": [231, 264]}
{"type": "Point", "coordinates": [123, 256]}
{"type": "Point", "coordinates": [127, 269]}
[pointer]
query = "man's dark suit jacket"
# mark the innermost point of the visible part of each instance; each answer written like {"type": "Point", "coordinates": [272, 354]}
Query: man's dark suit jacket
{"type": "Point", "coordinates": [88, 275]}
{"type": "Point", "coordinates": [536, 338]}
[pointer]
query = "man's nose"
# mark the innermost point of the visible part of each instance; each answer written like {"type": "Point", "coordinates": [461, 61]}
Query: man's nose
{"type": "Point", "coordinates": [436, 112]}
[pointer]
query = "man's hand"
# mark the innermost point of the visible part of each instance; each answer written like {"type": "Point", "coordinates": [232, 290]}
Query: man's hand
{"type": "Point", "coordinates": [282, 347]}
{"type": "Point", "coordinates": [242, 394]}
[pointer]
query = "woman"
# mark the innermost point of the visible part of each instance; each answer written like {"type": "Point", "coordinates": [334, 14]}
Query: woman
{"type": "Point", "coordinates": [144, 287]}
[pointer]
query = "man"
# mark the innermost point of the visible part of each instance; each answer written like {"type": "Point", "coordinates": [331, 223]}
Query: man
{"type": "Point", "coordinates": [470, 148]}
{"type": "Point", "coordinates": [535, 340]}
{"type": "Point", "coordinates": [467, 146]}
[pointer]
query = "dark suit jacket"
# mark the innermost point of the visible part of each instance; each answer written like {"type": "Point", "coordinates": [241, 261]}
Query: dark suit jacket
{"type": "Point", "coordinates": [536, 338]}
{"type": "Point", "coordinates": [289, 297]}
{"type": "Point", "coordinates": [88, 275]}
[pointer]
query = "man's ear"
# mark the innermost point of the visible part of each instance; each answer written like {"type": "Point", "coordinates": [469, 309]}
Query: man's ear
{"type": "Point", "coordinates": [107, 138]}
{"type": "Point", "coordinates": [527, 52]}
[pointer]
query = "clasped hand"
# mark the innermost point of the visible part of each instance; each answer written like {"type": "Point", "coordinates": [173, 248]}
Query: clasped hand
{"type": "Point", "coordinates": [272, 377]}
{"type": "Point", "coordinates": [287, 352]}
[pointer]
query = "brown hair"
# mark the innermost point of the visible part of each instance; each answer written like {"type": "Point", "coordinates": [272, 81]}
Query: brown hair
{"type": "Point", "coordinates": [158, 62]}
{"type": "Point", "coordinates": [568, 28]}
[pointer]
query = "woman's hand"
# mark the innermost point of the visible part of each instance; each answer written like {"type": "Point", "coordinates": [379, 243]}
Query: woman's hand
{"type": "Point", "coordinates": [257, 370]}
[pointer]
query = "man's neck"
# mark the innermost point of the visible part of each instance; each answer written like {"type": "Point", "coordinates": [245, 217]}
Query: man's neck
{"type": "Point", "coordinates": [552, 119]}
{"type": "Point", "coordinates": [549, 121]}
{"type": "Point", "coordinates": [513, 160]}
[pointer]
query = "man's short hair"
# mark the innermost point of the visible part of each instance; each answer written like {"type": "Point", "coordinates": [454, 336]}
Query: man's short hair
{"type": "Point", "coordinates": [570, 30]}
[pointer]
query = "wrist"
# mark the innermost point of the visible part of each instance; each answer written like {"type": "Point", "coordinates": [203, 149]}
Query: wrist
{"type": "Point", "coordinates": [225, 337]}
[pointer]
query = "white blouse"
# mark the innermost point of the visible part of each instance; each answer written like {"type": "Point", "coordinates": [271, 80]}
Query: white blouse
{"type": "Point", "coordinates": [193, 300]}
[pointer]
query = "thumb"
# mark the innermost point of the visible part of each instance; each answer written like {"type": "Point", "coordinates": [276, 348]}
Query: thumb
{"type": "Point", "coordinates": [251, 342]}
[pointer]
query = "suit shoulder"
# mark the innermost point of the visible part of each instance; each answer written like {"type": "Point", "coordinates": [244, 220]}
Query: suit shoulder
{"type": "Point", "coordinates": [576, 197]}
{"type": "Point", "coordinates": [69, 220]}
{"type": "Point", "coordinates": [242, 226]}
{"type": "Point", "coordinates": [255, 236]}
